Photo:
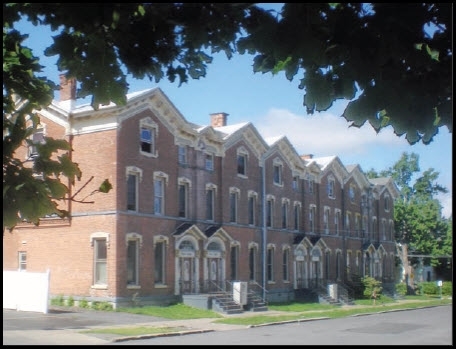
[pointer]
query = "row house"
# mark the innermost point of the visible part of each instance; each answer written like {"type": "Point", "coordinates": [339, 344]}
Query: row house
{"type": "Point", "coordinates": [195, 208]}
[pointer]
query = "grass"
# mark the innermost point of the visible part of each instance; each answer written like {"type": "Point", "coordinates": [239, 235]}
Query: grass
{"type": "Point", "coordinates": [296, 310]}
{"type": "Point", "coordinates": [174, 312]}
{"type": "Point", "coordinates": [134, 331]}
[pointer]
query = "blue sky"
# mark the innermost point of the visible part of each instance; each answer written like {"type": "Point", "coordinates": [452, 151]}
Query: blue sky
{"type": "Point", "coordinates": [274, 106]}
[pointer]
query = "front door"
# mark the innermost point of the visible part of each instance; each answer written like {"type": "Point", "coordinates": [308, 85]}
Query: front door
{"type": "Point", "coordinates": [187, 275]}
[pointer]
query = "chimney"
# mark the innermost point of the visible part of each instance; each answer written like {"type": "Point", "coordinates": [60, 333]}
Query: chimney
{"type": "Point", "coordinates": [67, 92]}
{"type": "Point", "coordinates": [218, 119]}
{"type": "Point", "coordinates": [307, 156]}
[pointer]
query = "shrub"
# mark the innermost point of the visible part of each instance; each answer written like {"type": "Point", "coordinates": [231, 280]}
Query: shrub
{"type": "Point", "coordinates": [70, 301]}
{"type": "Point", "coordinates": [83, 303]}
{"type": "Point", "coordinates": [59, 300]}
{"type": "Point", "coordinates": [447, 288]}
{"type": "Point", "coordinates": [401, 289]}
{"type": "Point", "coordinates": [102, 306]}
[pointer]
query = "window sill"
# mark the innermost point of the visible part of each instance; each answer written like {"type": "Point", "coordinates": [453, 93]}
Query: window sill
{"type": "Point", "coordinates": [99, 287]}
{"type": "Point", "coordinates": [133, 287]}
{"type": "Point", "coordinates": [161, 286]}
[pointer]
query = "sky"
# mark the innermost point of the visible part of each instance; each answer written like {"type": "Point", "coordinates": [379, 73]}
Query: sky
{"type": "Point", "coordinates": [274, 105]}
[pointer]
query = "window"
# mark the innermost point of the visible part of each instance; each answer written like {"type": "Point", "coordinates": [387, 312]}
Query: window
{"type": "Point", "coordinates": [284, 214]}
{"type": "Point", "coordinates": [132, 192]}
{"type": "Point", "coordinates": [277, 174]}
{"type": "Point", "coordinates": [209, 162]}
{"type": "Point", "coordinates": [285, 261]}
{"type": "Point", "coordinates": [391, 230]}
{"type": "Point", "coordinates": [347, 222]}
{"type": "Point", "coordinates": [387, 202]}
{"type": "Point", "coordinates": [269, 212]}
{"type": "Point", "coordinates": [252, 208]}
{"type": "Point", "coordinates": [183, 199]}
{"type": "Point", "coordinates": [351, 193]}
{"type": "Point", "coordinates": [234, 255]}
{"type": "Point", "coordinates": [310, 184]}
{"type": "Point", "coordinates": [36, 138]}
{"type": "Point", "coordinates": [330, 188]}
{"type": "Point", "coordinates": [100, 261]}
{"type": "Point", "coordinates": [270, 265]}
{"type": "Point", "coordinates": [147, 140]}
{"type": "Point", "coordinates": [159, 195]}
{"type": "Point", "coordinates": [132, 262]}
{"type": "Point", "coordinates": [252, 264]}
{"type": "Point", "coordinates": [210, 196]}
{"type": "Point", "coordinates": [326, 220]}
{"type": "Point", "coordinates": [297, 216]}
{"type": "Point", "coordinates": [234, 197]}
{"type": "Point", "coordinates": [295, 183]}
{"type": "Point", "coordinates": [148, 133]}
{"type": "Point", "coordinates": [358, 224]}
{"type": "Point", "coordinates": [374, 228]}
{"type": "Point", "coordinates": [242, 164]}
{"type": "Point", "coordinates": [384, 229]}
{"type": "Point", "coordinates": [182, 156]}
{"type": "Point", "coordinates": [22, 261]}
{"type": "Point", "coordinates": [160, 262]}
{"type": "Point", "coordinates": [337, 222]}
{"type": "Point", "coordinates": [312, 218]}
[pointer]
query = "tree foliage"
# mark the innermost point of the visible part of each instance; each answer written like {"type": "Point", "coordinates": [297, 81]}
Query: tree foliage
{"type": "Point", "coordinates": [419, 226]}
{"type": "Point", "coordinates": [393, 62]}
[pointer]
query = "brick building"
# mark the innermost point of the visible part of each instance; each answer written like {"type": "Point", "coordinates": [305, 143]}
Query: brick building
{"type": "Point", "coordinates": [195, 208]}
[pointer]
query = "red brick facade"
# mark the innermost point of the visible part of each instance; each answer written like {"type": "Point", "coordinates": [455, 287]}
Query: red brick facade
{"type": "Point", "coordinates": [167, 245]}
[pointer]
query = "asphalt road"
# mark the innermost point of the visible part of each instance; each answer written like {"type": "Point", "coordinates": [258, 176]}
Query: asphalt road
{"type": "Point", "coordinates": [426, 326]}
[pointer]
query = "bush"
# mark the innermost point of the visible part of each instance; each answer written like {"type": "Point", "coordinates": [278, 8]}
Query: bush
{"type": "Point", "coordinates": [83, 303]}
{"type": "Point", "coordinates": [59, 300]}
{"type": "Point", "coordinates": [447, 288]}
{"type": "Point", "coordinates": [70, 301]}
{"type": "Point", "coordinates": [401, 289]}
{"type": "Point", "coordinates": [105, 306]}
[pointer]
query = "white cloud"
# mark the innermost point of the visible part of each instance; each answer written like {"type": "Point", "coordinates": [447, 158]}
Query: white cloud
{"type": "Point", "coordinates": [324, 134]}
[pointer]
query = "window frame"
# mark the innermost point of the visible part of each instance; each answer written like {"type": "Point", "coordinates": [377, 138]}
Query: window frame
{"type": "Point", "coordinates": [285, 206]}
{"type": "Point", "coordinates": [133, 174]}
{"type": "Point", "coordinates": [241, 164]}
{"type": "Point", "coordinates": [285, 264]}
{"type": "Point", "coordinates": [209, 161]}
{"type": "Point", "coordinates": [99, 262]}
{"type": "Point", "coordinates": [132, 261]}
{"type": "Point", "coordinates": [160, 250]}
{"type": "Point", "coordinates": [22, 260]}
{"type": "Point", "coordinates": [182, 154]}
{"type": "Point", "coordinates": [148, 125]}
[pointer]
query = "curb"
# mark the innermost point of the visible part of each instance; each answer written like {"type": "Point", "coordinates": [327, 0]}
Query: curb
{"type": "Point", "coordinates": [170, 334]}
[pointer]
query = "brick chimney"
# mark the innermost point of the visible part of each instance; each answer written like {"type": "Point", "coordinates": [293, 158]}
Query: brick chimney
{"type": "Point", "coordinates": [67, 92]}
{"type": "Point", "coordinates": [307, 156]}
{"type": "Point", "coordinates": [218, 119]}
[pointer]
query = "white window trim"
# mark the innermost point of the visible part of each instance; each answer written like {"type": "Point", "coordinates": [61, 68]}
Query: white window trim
{"type": "Point", "coordinates": [152, 125]}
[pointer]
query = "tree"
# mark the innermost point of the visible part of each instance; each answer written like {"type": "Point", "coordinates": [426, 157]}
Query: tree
{"type": "Point", "coordinates": [418, 222]}
{"type": "Point", "coordinates": [379, 56]}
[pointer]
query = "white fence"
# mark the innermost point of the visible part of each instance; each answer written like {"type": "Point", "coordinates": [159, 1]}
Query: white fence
{"type": "Point", "coordinates": [26, 291]}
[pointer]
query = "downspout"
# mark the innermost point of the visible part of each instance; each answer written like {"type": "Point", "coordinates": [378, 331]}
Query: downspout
{"type": "Point", "coordinates": [264, 230]}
